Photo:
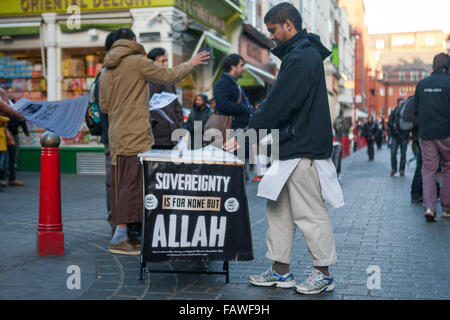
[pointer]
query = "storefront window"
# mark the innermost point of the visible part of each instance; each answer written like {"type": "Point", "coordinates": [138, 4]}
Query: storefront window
{"type": "Point", "coordinates": [79, 68]}
{"type": "Point", "coordinates": [22, 71]}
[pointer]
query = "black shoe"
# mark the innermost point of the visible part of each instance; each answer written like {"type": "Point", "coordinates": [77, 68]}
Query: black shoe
{"type": "Point", "coordinates": [134, 230]}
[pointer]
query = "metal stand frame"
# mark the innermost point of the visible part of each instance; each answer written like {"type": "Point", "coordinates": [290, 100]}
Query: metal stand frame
{"type": "Point", "coordinates": [226, 272]}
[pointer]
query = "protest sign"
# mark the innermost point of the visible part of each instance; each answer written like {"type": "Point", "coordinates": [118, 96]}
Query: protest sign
{"type": "Point", "coordinates": [195, 211]}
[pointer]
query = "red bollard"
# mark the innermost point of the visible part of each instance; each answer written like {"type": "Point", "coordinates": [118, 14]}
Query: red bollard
{"type": "Point", "coordinates": [347, 140]}
{"type": "Point", "coordinates": [50, 237]}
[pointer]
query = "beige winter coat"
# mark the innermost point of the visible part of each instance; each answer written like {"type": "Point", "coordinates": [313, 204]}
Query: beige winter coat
{"type": "Point", "coordinates": [124, 95]}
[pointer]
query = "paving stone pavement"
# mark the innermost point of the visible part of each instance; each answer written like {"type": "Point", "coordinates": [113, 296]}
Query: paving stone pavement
{"type": "Point", "coordinates": [378, 227]}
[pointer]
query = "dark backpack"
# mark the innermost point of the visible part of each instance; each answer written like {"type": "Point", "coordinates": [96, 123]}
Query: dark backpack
{"type": "Point", "coordinates": [92, 116]}
{"type": "Point", "coordinates": [405, 118]}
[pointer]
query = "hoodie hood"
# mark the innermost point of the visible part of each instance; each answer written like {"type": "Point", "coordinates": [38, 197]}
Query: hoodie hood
{"type": "Point", "coordinates": [302, 39]}
{"type": "Point", "coordinates": [205, 100]}
{"type": "Point", "coordinates": [121, 49]}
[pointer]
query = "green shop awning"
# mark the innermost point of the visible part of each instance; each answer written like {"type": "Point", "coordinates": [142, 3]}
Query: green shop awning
{"type": "Point", "coordinates": [18, 31]}
{"type": "Point", "coordinates": [250, 79]}
{"type": "Point", "coordinates": [217, 43]}
{"type": "Point", "coordinates": [255, 77]}
{"type": "Point", "coordinates": [216, 14]}
{"type": "Point", "coordinates": [100, 26]}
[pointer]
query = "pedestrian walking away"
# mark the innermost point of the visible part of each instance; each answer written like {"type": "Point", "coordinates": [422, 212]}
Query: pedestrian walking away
{"type": "Point", "coordinates": [300, 110]}
{"type": "Point", "coordinates": [369, 132]}
{"type": "Point", "coordinates": [399, 140]}
{"type": "Point", "coordinates": [341, 127]}
{"type": "Point", "coordinates": [379, 137]}
{"type": "Point", "coordinates": [432, 107]}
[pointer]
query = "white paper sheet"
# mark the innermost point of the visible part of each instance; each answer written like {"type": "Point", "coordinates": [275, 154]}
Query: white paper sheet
{"type": "Point", "coordinates": [275, 178]}
{"type": "Point", "coordinates": [278, 174]}
{"type": "Point", "coordinates": [161, 100]}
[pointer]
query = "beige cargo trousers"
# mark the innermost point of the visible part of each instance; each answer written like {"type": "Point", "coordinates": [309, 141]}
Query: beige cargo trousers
{"type": "Point", "coordinates": [300, 203]}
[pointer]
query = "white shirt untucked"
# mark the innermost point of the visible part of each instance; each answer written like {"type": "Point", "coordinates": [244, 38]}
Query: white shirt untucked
{"type": "Point", "coordinates": [279, 172]}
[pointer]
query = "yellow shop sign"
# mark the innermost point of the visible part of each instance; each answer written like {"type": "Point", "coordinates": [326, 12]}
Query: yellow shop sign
{"type": "Point", "coordinates": [26, 7]}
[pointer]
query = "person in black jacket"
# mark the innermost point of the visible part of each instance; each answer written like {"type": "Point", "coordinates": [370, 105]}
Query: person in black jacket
{"type": "Point", "coordinates": [380, 133]}
{"type": "Point", "coordinates": [162, 129]}
{"type": "Point", "coordinates": [200, 112]}
{"type": "Point", "coordinates": [298, 107]}
{"type": "Point", "coordinates": [399, 139]}
{"type": "Point", "coordinates": [432, 107]}
{"type": "Point", "coordinates": [369, 132]}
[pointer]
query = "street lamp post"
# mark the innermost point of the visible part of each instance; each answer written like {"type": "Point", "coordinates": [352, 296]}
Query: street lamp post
{"type": "Point", "coordinates": [356, 35]}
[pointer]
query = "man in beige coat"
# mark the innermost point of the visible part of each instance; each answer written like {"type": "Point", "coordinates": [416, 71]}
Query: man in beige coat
{"type": "Point", "coordinates": [124, 97]}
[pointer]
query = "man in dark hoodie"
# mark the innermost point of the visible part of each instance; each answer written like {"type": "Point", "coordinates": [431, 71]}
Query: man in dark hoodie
{"type": "Point", "coordinates": [298, 107]}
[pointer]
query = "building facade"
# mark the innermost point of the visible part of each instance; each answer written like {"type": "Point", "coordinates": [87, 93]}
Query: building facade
{"type": "Point", "coordinates": [400, 61]}
{"type": "Point", "coordinates": [53, 49]}
{"type": "Point", "coordinates": [356, 12]}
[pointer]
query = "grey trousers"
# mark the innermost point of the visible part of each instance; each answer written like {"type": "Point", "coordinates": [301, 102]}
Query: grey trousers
{"type": "Point", "coordinates": [300, 204]}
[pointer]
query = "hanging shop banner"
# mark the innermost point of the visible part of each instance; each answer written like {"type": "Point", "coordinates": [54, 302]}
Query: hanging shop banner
{"type": "Point", "coordinates": [195, 211]}
{"type": "Point", "coordinates": [22, 7]}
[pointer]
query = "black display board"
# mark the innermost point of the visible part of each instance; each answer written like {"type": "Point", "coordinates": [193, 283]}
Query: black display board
{"type": "Point", "coordinates": [194, 212]}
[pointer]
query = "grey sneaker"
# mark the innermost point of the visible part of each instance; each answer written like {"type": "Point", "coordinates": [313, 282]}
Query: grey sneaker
{"type": "Point", "coordinates": [445, 214]}
{"type": "Point", "coordinates": [125, 247]}
{"type": "Point", "coordinates": [272, 279]}
{"type": "Point", "coordinates": [317, 282]}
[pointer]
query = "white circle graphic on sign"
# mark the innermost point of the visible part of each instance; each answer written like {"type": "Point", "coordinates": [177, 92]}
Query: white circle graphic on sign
{"type": "Point", "coordinates": [232, 205]}
{"type": "Point", "coordinates": [151, 202]}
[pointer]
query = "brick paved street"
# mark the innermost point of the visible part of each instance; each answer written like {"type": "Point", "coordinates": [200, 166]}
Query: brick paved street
{"type": "Point", "coordinates": [378, 226]}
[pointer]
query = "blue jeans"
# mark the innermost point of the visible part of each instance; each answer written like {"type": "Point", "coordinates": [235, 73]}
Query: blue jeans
{"type": "Point", "coordinates": [403, 144]}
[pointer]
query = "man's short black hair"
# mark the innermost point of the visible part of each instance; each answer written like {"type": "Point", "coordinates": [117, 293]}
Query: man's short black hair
{"type": "Point", "coordinates": [282, 12]}
{"type": "Point", "coordinates": [122, 33]}
{"type": "Point", "coordinates": [441, 62]}
{"type": "Point", "coordinates": [110, 40]}
{"type": "Point", "coordinates": [125, 33]}
{"type": "Point", "coordinates": [155, 53]}
{"type": "Point", "coordinates": [231, 60]}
